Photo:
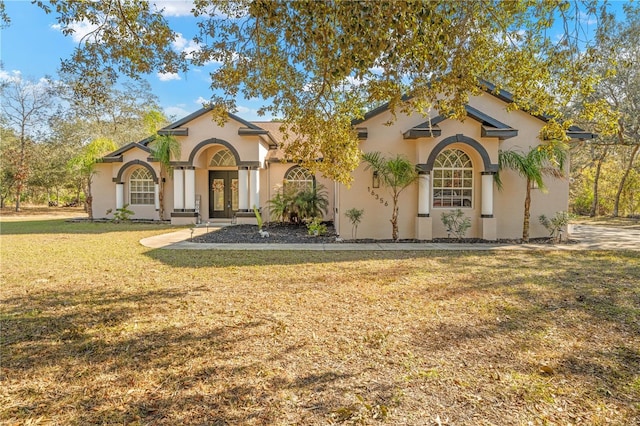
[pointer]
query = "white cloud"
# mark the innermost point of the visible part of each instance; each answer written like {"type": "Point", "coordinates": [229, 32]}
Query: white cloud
{"type": "Point", "coordinates": [80, 30]}
{"type": "Point", "coordinates": [176, 112]}
{"type": "Point", "coordinates": [174, 7]}
{"type": "Point", "coordinates": [189, 47]}
{"type": "Point", "coordinates": [168, 76]}
{"type": "Point", "coordinates": [251, 114]}
{"type": "Point", "coordinates": [201, 101]}
{"type": "Point", "coordinates": [13, 76]}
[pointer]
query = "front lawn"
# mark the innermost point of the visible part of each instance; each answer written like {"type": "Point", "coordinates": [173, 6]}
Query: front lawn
{"type": "Point", "coordinates": [97, 329]}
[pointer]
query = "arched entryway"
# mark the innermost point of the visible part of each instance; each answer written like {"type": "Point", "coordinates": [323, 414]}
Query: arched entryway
{"type": "Point", "coordinates": [223, 184]}
{"type": "Point", "coordinates": [458, 174]}
{"type": "Point", "coordinates": [215, 182]}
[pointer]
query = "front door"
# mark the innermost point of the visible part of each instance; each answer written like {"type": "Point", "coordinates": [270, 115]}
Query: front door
{"type": "Point", "coordinates": [223, 193]}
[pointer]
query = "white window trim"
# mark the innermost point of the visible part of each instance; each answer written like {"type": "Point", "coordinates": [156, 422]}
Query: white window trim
{"type": "Point", "coordinates": [463, 169]}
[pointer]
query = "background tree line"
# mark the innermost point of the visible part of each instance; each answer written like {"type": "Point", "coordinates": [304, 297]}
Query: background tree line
{"type": "Point", "coordinates": [50, 136]}
{"type": "Point", "coordinates": [605, 172]}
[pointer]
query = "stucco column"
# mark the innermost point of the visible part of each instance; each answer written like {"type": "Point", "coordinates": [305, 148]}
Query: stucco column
{"type": "Point", "coordinates": [254, 184]}
{"type": "Point", "coordinates": [243, 189]}
{"type": "Point", "coordinates": [189, 189]}
{"type": "Point", "coordinates": [487, 194]}
{"type": "Point", "coordinates": [156, 196]}
{"type": "Point", "coordinates": [424, 183]}
{"type": "Point", "coordinates": [119, 195]}
{"type": "Point", "coordinates": [178, 189]}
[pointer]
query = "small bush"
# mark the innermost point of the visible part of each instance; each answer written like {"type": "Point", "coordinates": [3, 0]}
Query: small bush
{"type": "Point", "coordinates": [298, 205]}
{"type": "Point", "coordinates": [316, 227]}
{"type": "Point", "coordinates": [121, 215]}
{"type": "Point", "coordinates": [355, 216]}
{"type": "Point", "coordinates": [456, 223]}
{"type": "Point", "coordinates": [556, 223]}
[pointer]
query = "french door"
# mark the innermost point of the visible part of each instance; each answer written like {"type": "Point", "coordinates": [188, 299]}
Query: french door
{"type": "Point", "coordinates": [223, 193]}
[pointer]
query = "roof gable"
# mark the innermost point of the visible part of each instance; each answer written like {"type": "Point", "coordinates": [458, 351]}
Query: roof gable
{"type": "Point", "coordinates": [176, 128]}
{"type": "Point", "coordinates": [491, 126]}
{"type": "Point", "coordinates": [116, 156]}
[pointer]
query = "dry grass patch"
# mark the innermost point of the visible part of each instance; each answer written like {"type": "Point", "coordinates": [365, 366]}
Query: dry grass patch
{"type": "Point", "coordinates": [40, 212]}
{"type": "Point", "coordinates": [97, 329]}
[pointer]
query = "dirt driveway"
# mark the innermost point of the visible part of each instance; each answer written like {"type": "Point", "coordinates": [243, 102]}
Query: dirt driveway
{"type": "Point", "coordinates": [596, 237]}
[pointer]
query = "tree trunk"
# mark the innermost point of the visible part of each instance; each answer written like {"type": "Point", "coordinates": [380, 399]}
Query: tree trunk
{"type": "Point", "coordinates": [616, 204]}
{"type": "Point", "coordinates": [394, 219]}
{"type": "Point", "coordinates": [593, 212]}
{"type": "Point", "coordinates": [527, 213]}
{"type": "Point", "coordinates": [18, 194]}
{"type": "Point", "coordinates": [89, 201]}
{"type": "Point", "coordinates": [161, 195]}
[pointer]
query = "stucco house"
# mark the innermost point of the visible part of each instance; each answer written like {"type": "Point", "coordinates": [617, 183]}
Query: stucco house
{"type": "Point", "coordinates": [224, 171]}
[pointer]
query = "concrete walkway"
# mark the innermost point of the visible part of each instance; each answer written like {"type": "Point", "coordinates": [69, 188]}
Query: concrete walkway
{"type": "Point", "coordinates": [589, 238]}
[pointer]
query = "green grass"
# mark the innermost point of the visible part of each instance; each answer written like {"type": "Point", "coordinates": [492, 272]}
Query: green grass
{"type": "Point", "coordinates": [97, 329]}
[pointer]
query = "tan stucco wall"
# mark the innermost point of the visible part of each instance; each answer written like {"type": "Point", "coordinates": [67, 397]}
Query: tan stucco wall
{"type": "Point", "coordinates": [508, 204]}
{"type": "Point", "coordinates": [104, 188]}
{"type": "Point", "coordinates": [104, 191]}
{"type": "Point", "coordinates": [204, 128]}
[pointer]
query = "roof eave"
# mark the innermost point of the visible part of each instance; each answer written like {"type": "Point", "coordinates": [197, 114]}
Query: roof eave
{"type": "Point", "coordinates": [502, 134]}
{"type": "Point", "coordinates": [417, 133]}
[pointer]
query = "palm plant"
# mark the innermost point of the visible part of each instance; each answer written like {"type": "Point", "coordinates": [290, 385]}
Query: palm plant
{"type": "Point", "coordinates": [163, 149]}
{"type": "Point", "coordinates": [547, 160]}
{"type": "Point", "coordinates": [281, 204]}
{"type": "Point", "coordinates": [312, 202]}
{"type": "Point", "coordinates": [396, 174]}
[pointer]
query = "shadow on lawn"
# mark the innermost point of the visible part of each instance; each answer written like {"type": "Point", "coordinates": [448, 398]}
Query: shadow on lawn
{"type": "Point", "coordinates": [575, 325]}
{"type": "Point", "coordinates": [80, 358]}
{"type": "Point", "coordinates": [227, 258]}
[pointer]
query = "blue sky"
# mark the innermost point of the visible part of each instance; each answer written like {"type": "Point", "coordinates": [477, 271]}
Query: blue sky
{"type": "Point", "coordinates": [33, 46]}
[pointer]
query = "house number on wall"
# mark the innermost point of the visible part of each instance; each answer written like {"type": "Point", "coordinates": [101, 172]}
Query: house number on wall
{"type": "Point", "coordinates": [373, 193]}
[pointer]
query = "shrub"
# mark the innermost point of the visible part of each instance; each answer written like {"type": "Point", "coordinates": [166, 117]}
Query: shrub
{"type": "Point", "coordinates": [355, 216]}
{"type": "Point", "coordinates": [556, 223]}
{"type": "Point", "coordinates": [281, 204]}
{"type": "Point", "coordinates": [121, 215]}
{"type": "Point", "coordinates": [316, 227]}
{"type": "Point", "coordinates": [296, 205]}
{"type": "Point", "coordinates": [456, 223]}
{"type": "Point", "coordinates": [311, 202]}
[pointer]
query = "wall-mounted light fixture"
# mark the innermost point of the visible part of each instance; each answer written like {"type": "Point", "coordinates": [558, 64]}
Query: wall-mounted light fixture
{"type": "Point", "coordinates": [376, 179]}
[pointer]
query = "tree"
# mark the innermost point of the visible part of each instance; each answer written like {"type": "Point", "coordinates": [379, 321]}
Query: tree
{"type": "Point", "coordinates": [84, 164]}
{"type": "Point", "coordinates": [533, 166]}
{"type": "Point", "coordinates": [321, 63]}
{"type": "Point", "coordinates": [126, 113]}
{"type": "Point", "coordinates": [8, 150]}
{"type": "Point", "coordinates": [616, 61]}
{"type": "Point", "coordinates": [24, 108]}
{"type": "Point", "coordinates": [396, 174]}
{"type": "Point", "coordinates": [164, 148]}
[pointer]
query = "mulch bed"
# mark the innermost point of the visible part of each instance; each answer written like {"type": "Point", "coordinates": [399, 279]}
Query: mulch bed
{"type": "Point", "coordinates": [287, 233]}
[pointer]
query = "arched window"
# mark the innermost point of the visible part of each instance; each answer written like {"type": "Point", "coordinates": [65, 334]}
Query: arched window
{"type": "Point", "coordinates": [141, 187]}
{"type": "Point", "coordinates": [298, 178]}
{"type": "Point", "coordinates": [224, 157]}
{"type": "Point", "coordinates": [452, 179]}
